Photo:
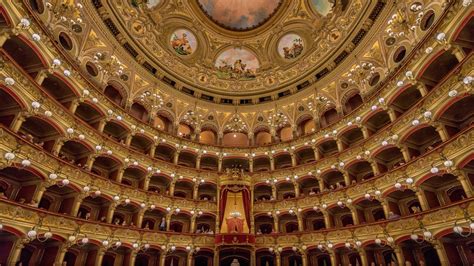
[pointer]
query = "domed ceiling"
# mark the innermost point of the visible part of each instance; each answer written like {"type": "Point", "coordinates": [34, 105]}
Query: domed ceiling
{"type": "Point", "coordinates": [239, 14]}
{"type": "Point", "coordinates": [228, 50]}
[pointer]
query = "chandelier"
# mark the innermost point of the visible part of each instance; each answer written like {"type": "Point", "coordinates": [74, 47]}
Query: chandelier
{"type": "Point", "coordinates": [405, 20]}
{"type": "Point", "coordinates": [109, 65]}
{"type": "Point", "coordinates": [277, 119]}
{"type": "Point", "coordinates": [361, 73]}
{"type": "Point", "coordinates": [235, 214]}
{"type": "Point", "coordinates": [236, 125]}
{"type": "Point", "coordinates": [153, 100]}
{"type": "Point", "coordinates": [192, 118]}
{"type": "Point", "coordinates": [67, 12]}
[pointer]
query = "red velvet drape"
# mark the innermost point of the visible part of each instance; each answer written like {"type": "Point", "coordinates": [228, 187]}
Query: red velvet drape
{"type": "Point", "coordinates": [223, 202]}
{"type": "Point", "coordinates": [246, 199]}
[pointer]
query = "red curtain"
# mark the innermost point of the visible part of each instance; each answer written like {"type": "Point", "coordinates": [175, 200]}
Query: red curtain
{"type": "Point", "coordinates": [223, 201]}
{"type": "Point", "coordinates": [246, 198]}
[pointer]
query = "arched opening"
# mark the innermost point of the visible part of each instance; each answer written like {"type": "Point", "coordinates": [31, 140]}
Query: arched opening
{"type": "Point", "coordinates": [369, 210]}
{"type": "Point", "coordinates": [134, 176]}
{"type": "Point", "coordinates": [205, 224]}
{"type": "Point", "coordinates": [116, 130]}
{"type": "Point", "coordinates": [184, 189]}
{"type": "Point", "coordinates": [313, 220]}
{"type": "Point", "coordinates": [327, 148]}
{"type": "Point", "coordinates": [402, 203]}
{"type": "Point", "coordinates": [75, 152]}
{"type": "Point", "coordinates": [165, 152]}
{"type": "Point", "coordinates": [305, 155]}
{"type": "Point", "coordinates": [59, 90]}
{"type": "Point", "coordinates": [360, 171]}
{"type": "Point", "coordinates": [263, 192]}
{"type": "Point", "coordinates": [416, 253]}
{"type": "Point", "coordinates": [438, 69]}
{"type": "Point", "coordinates": [444, 189]}
{"type": "Point", "coordinates": [113, 92]}
{"type": "Point", "coordinates": [285, 190]}
{"type": "Point", "coordinates": [19, 184]}
{"type": "Point", "coordinates": [235, 162]}
{"type": "Point", "coordinates": [288, 223]}
{"type": "Point", "coordinates": [139, 112]}
{"type": "Point", "coordinates": [282, 160]}
{"type": "Point", "coordinates": [87, 113]}
{"type": "Point", "coordinates": [39, 253]}
{"type": "Point", "coordinates": [261, 164]}
{"type": "Point", "coordinates": [187, 158]}
{"type": "Point", "coordinates": [106, 167]}
{"type": "Point", "coordinates": [333, 180]}
{"type": "Point", "coordinates": [265, 258]}
{"type": "Point", "coordinates": [24, 55]}
{"type": "Point", "coordinates": [58, 199]}
{"type": "Point", "coordinates": [458, 116]}
{"type": "Point", "coordinates": [141, 143]}
{"type": "Point", "coordinates": [209, 162]}
{"type": "Point", "coordinates": [329, 117]}
{"type": "Point", "coordinates": [262, 138]}
{"type": "Point", "coordinates": [207, 137]}
{"type": "Point", "coordinates": [309, 186]}
{"type": "Point", "coordinates": [405, 100]}
{"type": "Point", "coordinates": [286, 134]}
{"type": "Point", "coordinates": [207, 192]}
{"type": "Point", "coordinates": [422, 140]}
{"type": "Point", "coordinates": [154, 219]}
{"type": "Point", "coordinates": [10, 107]}
{"type": "Point", "coordinates": [41, 132]}
{"type": "Point", "coordinates": [94, 208]}
{"type": "Point", "coordinates": [351, 137]}
{"type": "Point", "coordinates": [264, 224]}
{"type": "Point", "coordinates": [389, 158]}
{"type": "Point", "coordinates": [353, 102]}
{"type": "Point", "coordinates": [235, 139]}
{"type": "Point", "coordinates": [180, 223]}
{"type": "Point", "coordinates": [377, 121]}
{"type": "Point", "coordinates": [159, 184]}
{"type": "Point", "coordinates": [185, 131]}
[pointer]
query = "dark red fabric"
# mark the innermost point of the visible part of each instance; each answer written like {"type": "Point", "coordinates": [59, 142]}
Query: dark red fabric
{"type": "Point", "coordinates": [223, 201]}
{"type": "Point", "coordinates": [246, 198]}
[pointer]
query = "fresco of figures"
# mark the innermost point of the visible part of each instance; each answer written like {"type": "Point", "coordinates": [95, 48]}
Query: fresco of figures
{"type": "Point", "coordinates": [183, 42]}
{"type": "Point", "coordinates": [237, 63]}
{"type": "Point", "coordinates": [324, 7]}
{"type": "Point", "coordinates": [239, 15]}
{"type": "Point", "coordinates": [290, 46]}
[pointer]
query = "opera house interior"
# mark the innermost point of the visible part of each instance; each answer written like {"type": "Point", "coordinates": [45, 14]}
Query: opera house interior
{"type": "Point", "coordinates": [236, 132]}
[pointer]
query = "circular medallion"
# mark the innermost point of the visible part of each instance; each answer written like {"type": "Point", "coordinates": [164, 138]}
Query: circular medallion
{"type": "Point", "coordinates": [237, 63]}
{"type": "Point", "coordinates": [183, 42]}
{"type": "Point", "coordinates": [290, 46]}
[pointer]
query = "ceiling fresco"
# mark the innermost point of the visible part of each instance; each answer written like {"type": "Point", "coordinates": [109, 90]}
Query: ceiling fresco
{"type": "Point", "coordinates": [239, 14]}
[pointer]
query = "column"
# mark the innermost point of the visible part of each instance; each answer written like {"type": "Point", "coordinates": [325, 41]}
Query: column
{"type": "Point", "coordinates": [274, 192]}
{"type": "Point", "coordinates": [275, 223]}
{"type": "Point", "coordinates": [17, 122]}
{"type": "Point", "coordinates": [399, 255]}
{"type": "Point", "coordinates": [41, 76]}
{"type": "Point", "coordinates": [176, 157]}
{"type": "Point", "coordinates": [332, 255]}
{"type": "Point", "coordinates": [58, 144]}
{"type": "Point", "coordinates": [443, 258]}
{"type": "Point", "coordinates": [297, 188]}
{"type": "Point", "coordinates": [422, 88]}
{"type": "Point", "coordinates": [77, 204]}
{"type": "Point", "coordinates": [443, 133]}
{"type": "Point", "coordinates": [128, 139]}
{"type": "Point", "coordinates": [293, 159]}
{"type": "Point", "coordinates": [422, 199]}
{"type": "Point", "coordinates": [340, 145]}
{"type": "Point", "coordinates": [300, 222]}
{"type": "Point", "coordinates": [162, 259]}
{"type": "Point", "coordinates": [120, 175]}
{"type": "Point", "coordinates": [140, 215]}
{"type": "Point", "coordinates": [172, 184]}
{"type": "Point", "coordinates": [152, 150]}
{"type": "Point", "coordinates": [74, 105]}
{"type": "Point", "coordinates": [146, 182]}
{"type": "Point", "coordinates": [365, 132]}
{"type": "Point", "coordinates": [465, 183]}
{"type": "Point", "coordinates": [100, 256]}
{"type": "Point", "coordinates": [251, 165]}
{"type": "Point", "coordinates": [4, 37]}
{"type": "Point", "coordinates": [355, 217]}
{"type": "Point", "coordinates": [272, 164]}
{"type": "Point", "coordinates": [327, 219]}
{"type": "Point", "coordinates": [347, 178]}
{"type": "Point", "coordinates": [216, 258]}
{"type": "Point", "coordinates": [133, 256]}
{"type": "Point", "coordinates": [190, 259]}
{"type": "Point", "coordinates": [317, 155]}
{"type": "Point", "coordinates": [218, 209]}
{"type": "Point", "coordinates": [278, 258]}
{"type": "Point", "coordinates": [110, 213]}
{"type": "Point", "coordinates": [39, 192]}
{"type": "Point", "coordinates": [386, 207]}
{"type": "Point", "coordinates": [304, 258]}
{"type": "Point", "coordinates": [198, 161]}
{"type": "Point", "coordinates": [219, 164]}
{"type": "Point", "coordinates": [321, 184]}
{"type": "Point", "coordinates": [405, 152]}
{"type": "Point", "coordinates": [102, 124]}
{"type": "Point", "coordinates": [363, 257]}
{"type": "Point", "coordinates": [192, 228]}
{"type": "Point", "coordinates": [90, 162]}
{"type": "Point", "coordinates": [458, 52]}
{"type": "Point", "coordinates": [251, 139]}
{"type": "Point", "coordinates": [375, 167]}
{"type": "Point", "coordinates": [15, 253]}
{"type": "Point", "coordinates": [392, 114]}
{"type": "Point", "coordinates": [253, 260]}
{"type": "Point", "coordinates": [195, 190]}
{"type": "Point", "coordinates": [60, 256]}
